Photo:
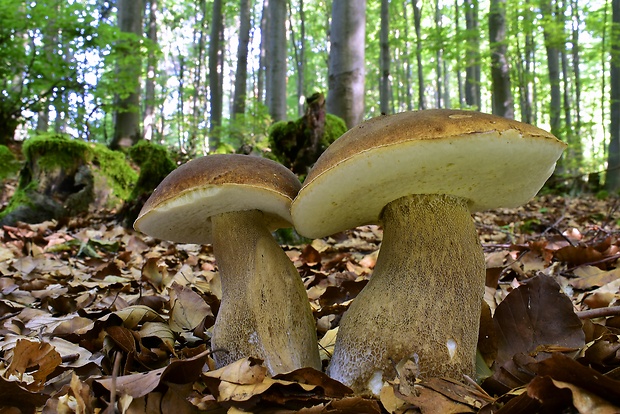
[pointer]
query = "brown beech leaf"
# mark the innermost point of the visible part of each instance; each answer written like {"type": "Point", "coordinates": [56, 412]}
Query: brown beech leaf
{"type": "Point", "coordinates": [536, 314]}
{"type": "Point", "coordinates": [12, 394]}
{"type": "Point", "coordinates": [311, 376]}
{"type": "Point", "coordinates": [591, 277]}
{"type": "Point", "coordinates": [178, 372]}
{"type": "Point", "coordinates": [30, 354]}
{"type": "Point", "coordinates": [189, 309]}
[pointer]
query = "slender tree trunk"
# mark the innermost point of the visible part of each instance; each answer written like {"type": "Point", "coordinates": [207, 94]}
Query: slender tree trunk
{"type": "Point", "coordinates": [215, 74]}
{"type": "Point", "coordinates": [198, 83]}
{"type": "Point", "coordinates": [299, 47]}
{"type": "Point", "coordinates": [530, 114]}
{"type": "Point", "coordinates": [241, 76]}
{"type": "Point", "coordinates": [417, 19]}
{"type": "Point", "coordinates": [408, 74]}
{"type": "Point", "coordinates": [276, 60]}
{"type": "Point", "coordinates": [457, 32]}
{"type": "Point", "coordinates": [346, 61]}
{"type": "Point", "coordinates": [472, 55]}
{"type": "Point", "coordinates": [438, 57]}
{"type": "Point", "coordinates": [151, 71]}
{"type": "Point", "coordinates": [127, 115]}
{"type": "Point", "coordinates": [261, 87]}
{"type": "Point", "coordinates": [553, 65]}
{"type": "Point", "coordinates": [576, 71]}
{"type": "Point", "coordinates": [612, 181]}
{"type": "Point", "coordinates": [384, 58]}
{"type": "Point", "coordinates": [503, 104]}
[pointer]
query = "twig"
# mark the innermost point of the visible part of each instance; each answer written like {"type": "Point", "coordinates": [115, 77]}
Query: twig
{"type": "Point", "coordinates": [599, 312]}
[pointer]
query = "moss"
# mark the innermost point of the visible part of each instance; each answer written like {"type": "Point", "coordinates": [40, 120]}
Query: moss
{"type": "Point", "coordinates": [155, 164]}
{"type": "Point", "coordinates": [113, 165]}
{"type": "Point", "coordinates": [9, 165]}
{"type": "Point", "coordinates": [55, 150]}
{"type": "Point", "coordinates": [20, 197]}
{"type": "Point", "coordinates": [334, 128]}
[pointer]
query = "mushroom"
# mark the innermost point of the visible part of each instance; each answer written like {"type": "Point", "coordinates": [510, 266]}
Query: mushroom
{"type": "Point", "coordinates": [233, 202]}
{"type": "Point", "coordinates": [420, 175]}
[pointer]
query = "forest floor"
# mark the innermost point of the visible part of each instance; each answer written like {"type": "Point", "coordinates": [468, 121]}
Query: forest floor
{"type": "Point", "coordinates": [92, 312]}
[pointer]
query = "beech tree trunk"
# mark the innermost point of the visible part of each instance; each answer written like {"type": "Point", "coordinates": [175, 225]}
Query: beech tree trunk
{"type": "Point", "coordinates": [384, 58]}
{"type": "Point", "coordinates": [241, 75]}
{"type": "Point", "coordinates": [151, 71]}
{"type": "Point", "coordinates": [612, 182]}
{"type": "Point", "coordinates": [127, 115]}
{"type": "Point", "coordinates": [275, 65]}
{"type": "Point", "coordinates": [553, 66]}
{"type": "Point", "coordinates": [503, 104]}
{"type": "Point", "coordinates": [417, 18]}
{"type": "Point", "coordinates": [346, 61]}
{"type": "Point", "coordinates": [215, 74]}
{"type": "Point", "coordinates": [472, 55]}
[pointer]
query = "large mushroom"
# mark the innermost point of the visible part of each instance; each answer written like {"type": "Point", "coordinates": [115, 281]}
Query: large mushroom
{"type": "Point", "coordinates": [233, 202]}
{"type": "Point", "coordinates": [419, 175]}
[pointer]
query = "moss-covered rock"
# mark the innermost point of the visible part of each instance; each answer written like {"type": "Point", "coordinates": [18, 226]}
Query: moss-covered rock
{"type": "Point", "coordinates": [63, 177]}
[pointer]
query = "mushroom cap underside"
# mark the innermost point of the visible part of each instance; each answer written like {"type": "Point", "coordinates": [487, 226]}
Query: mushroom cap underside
{"type": "Point", "coordinates": [181, 207]}
{"type": "Point", "coordinates": [490, 161]}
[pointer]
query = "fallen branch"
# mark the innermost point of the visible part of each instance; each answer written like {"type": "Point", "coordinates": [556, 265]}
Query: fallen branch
{"type": "Point", "coordinates": [599, 312]}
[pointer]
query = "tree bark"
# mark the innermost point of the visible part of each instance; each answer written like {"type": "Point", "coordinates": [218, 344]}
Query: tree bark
{"type": "Point", "coordinates": [127, 116]}
{"type": "Point", "coordinates": [241, 75]}
{"type": "Point", "coordinates": [384, 58]}
{"type": "Point", "coordinates": [215, 74]}
{"type": "Point", "coordinates": [553, 65]}
{"type": "Point", "coordinates": [472, 55]}
{"type": "Point", "coordinates": [417, 19]}
{"type": "Point", "coordinates": [612, 182]}
{"type": "Point", "coordinates": [503, 104]}
{"type": "Point", "coordinates": [346, 61]}
{"type": "Point", "coordinates": [148, 120]}
{"type": "Point", "coordinates": [275, 64]}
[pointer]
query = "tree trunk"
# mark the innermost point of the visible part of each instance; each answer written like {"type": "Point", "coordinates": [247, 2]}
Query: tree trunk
{"type": "Point", "coordinates": [503, 104]}
{"type": "Point", "coordinates": [407, 59]}
{"type": "Point", "coordinates": [384, 58]}
{"type": "Point", "coordinates": [197, 117]}
{"type": "Point", "coordinates": [459, 76]}
{"type": "Point", "coordinates": [553, 65]}
{"type": "Point", "coordinates": [438, 57]}
{"type": "Point", "coordinates": [346, 61]}
{"type": "Point", "coordinates": [149, 90]}
{"type": "Point", "coordinates": [241, 75]}
{"type": "Point", "coordinates": [612, 182]}
{"type": "Point", "coordinates": [299, 48]}
{"type": "Point", "coordinates": [261, 73]}
{"type": "Point", "coordinates": [276, 60]}
{"type": "Point", "coordinates": [127, 116]}
{"type": "Point", "coordinates": [417, 18]}
{"type": "Point", "coordinates": [472, 55]}
{"type": "Point", "coordinates": [215, 74]}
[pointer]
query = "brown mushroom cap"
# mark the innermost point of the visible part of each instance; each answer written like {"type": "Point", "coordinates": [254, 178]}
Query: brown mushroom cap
{"type": "Point", "coordinates": [488, 160]}
{"type": "Point", "coordinates": [181, 207]}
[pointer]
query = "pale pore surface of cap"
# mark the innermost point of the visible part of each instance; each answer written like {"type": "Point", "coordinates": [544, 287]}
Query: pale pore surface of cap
{"type": "Point", "coordinates": [181, 207]}
{"type": "Point", "coordinates": [490, 161]}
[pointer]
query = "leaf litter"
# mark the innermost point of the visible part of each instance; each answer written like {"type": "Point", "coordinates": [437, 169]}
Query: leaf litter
{"type": "Point", "coordinates": [96, 318]}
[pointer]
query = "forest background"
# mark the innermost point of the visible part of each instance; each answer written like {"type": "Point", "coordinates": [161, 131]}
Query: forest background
{"type": "Point", "coordinates": [206, 76]}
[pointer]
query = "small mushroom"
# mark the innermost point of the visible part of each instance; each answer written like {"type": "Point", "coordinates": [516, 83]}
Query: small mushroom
{"type": "Point", "coordinates": [234, 202]}
{"type": "Point", "coordinates": [420, 175]}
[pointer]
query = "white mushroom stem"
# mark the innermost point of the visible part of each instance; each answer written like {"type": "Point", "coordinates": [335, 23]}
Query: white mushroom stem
{"type": "Point", "coordinates": [422, 302]}
{"type": "Point", "coordinates": [264, 312]}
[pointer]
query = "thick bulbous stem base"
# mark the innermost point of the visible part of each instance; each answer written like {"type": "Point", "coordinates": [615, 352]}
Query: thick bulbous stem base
{"type": "Point", "coordinates": [265, 312]}
{"type": "Point", "coordinates": [422, 303]}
